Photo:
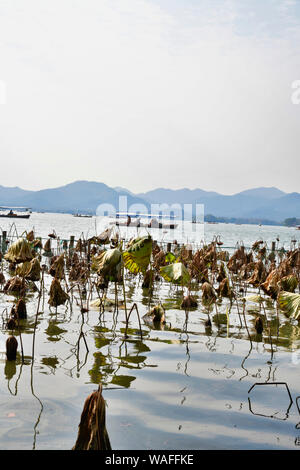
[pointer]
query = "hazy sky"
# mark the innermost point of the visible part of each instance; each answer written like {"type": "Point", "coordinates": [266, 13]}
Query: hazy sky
{"type": "Point", "coordinates": [150, 93]}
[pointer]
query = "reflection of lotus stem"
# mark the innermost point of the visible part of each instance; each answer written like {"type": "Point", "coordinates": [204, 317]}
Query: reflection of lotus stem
{"type": "Point", "coordinates": [21, 342]}
{"type": "Point", "coordinates": [269, 328]}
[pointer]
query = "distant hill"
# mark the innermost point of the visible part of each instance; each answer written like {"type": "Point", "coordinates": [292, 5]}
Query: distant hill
{"type": "Point", "coordinates": [180, 196]}
{"type": "Point", "coordinates": [258, 203]}
{"type": "Point", "coordinates": [263, 193]}
{"type": "Point", "coordinates": [80, 196]}
{"type": "Point", "coordinates": [85, 196]}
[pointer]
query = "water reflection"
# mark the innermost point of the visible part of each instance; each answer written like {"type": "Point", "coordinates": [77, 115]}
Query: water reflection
{"type": "Point", "coordinates": [286, 402]}
{"type": "Point", "coordinates": [53, 331]}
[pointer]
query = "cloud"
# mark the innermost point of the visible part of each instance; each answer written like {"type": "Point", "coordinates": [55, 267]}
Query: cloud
{"type": "Point", "coordinates": [142, 93]}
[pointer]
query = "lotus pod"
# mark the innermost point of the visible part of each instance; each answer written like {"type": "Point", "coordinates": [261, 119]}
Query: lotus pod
{"type": "Point", "coordinates": [21, 311]}
{"type": "Point", "coordinates": [208, 293]}
{"type": "Point", "coordinates": [176, 273]}
{"type": "Point", "coordinates": [11, 348]}
{"type": "Point", "coordinates": [137, 256]}
{"type": "Point", "coordinates": [108, 264]}
{"type": "Point", "coordinates": [57, 294]}
{"type": "Point", "coordinates": [57, 267]}
{"type": "Point", "coordinates": [19, 251]}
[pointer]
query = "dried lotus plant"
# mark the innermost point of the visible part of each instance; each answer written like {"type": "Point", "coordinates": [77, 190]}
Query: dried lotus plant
{"type": "Point", "coordinates": [57, 295]}
{"type": "Point", "coordinates": [19, 252]}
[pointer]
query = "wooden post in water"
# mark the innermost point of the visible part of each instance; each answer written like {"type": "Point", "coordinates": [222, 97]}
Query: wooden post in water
{"type": "Point", "coordinates": [71, 244]}
{"type": "Point", "coordinates": [4, 244]}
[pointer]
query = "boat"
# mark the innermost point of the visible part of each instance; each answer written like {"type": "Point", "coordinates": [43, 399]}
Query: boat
{"type": "Point", "coordinates": [82, 215]}
{"type": "Point", "coordinates": [12, 214]}
{"type": "Point", "coordinates": [124, 219]}
{"type": "Point", "coordinates": [154, 223]}
{"type": "Point", "coordinates": [126, 222]}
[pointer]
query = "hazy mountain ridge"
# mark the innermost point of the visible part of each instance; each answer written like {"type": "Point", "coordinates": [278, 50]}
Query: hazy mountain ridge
{"type": "Point", "coordinates": [85, 196]}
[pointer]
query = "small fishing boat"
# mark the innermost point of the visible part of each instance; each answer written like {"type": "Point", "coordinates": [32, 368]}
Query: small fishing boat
{"type": "Point", "coordinates": [12, 212]}
{"type": "Point", "coordinates": [126, 222]}
{"type": "Point", "coordinates": [124, 219]}
{"type": "Point", "coordinates": [154, 223]}
{"type": "Point", "coordinates": [82, 215]}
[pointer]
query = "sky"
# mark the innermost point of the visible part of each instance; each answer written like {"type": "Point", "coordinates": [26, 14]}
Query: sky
{"type": "Point", "coordinates": [150, 93]}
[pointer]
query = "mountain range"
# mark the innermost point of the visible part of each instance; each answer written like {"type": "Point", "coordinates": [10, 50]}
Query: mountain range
{"type": "Point", "coordinates": [84, 196]}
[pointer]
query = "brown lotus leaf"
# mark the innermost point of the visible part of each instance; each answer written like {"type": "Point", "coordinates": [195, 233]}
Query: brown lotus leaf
{"type": "Point", "coordinates": [30, 236]}
{"type": "Point", "coordinates": [259, 275]}
{"type": "Point", "coordinates": [224, 289]}
{"type": "Point", "coordinates": [15, 285]}
{"type": "Point", "coordinates": [57, 267]}
{"type": "Point", "coordinates": [21, 311]}
{"type": "Point", "coordinates": [92, 433]}
{"type": "Point", "coordinates": [208, 293]}
{"type": "Point", "coordinates": [19, 251]}
{"type": "Point", "coordinates": [57, 295]}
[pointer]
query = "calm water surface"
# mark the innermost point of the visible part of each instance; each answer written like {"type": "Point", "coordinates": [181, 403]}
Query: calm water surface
{"type": "Point", "coordinates": [183, 386]}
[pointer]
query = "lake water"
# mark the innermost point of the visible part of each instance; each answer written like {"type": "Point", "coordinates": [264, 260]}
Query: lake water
{"type": "Point", "coordinates": [184, 386]}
